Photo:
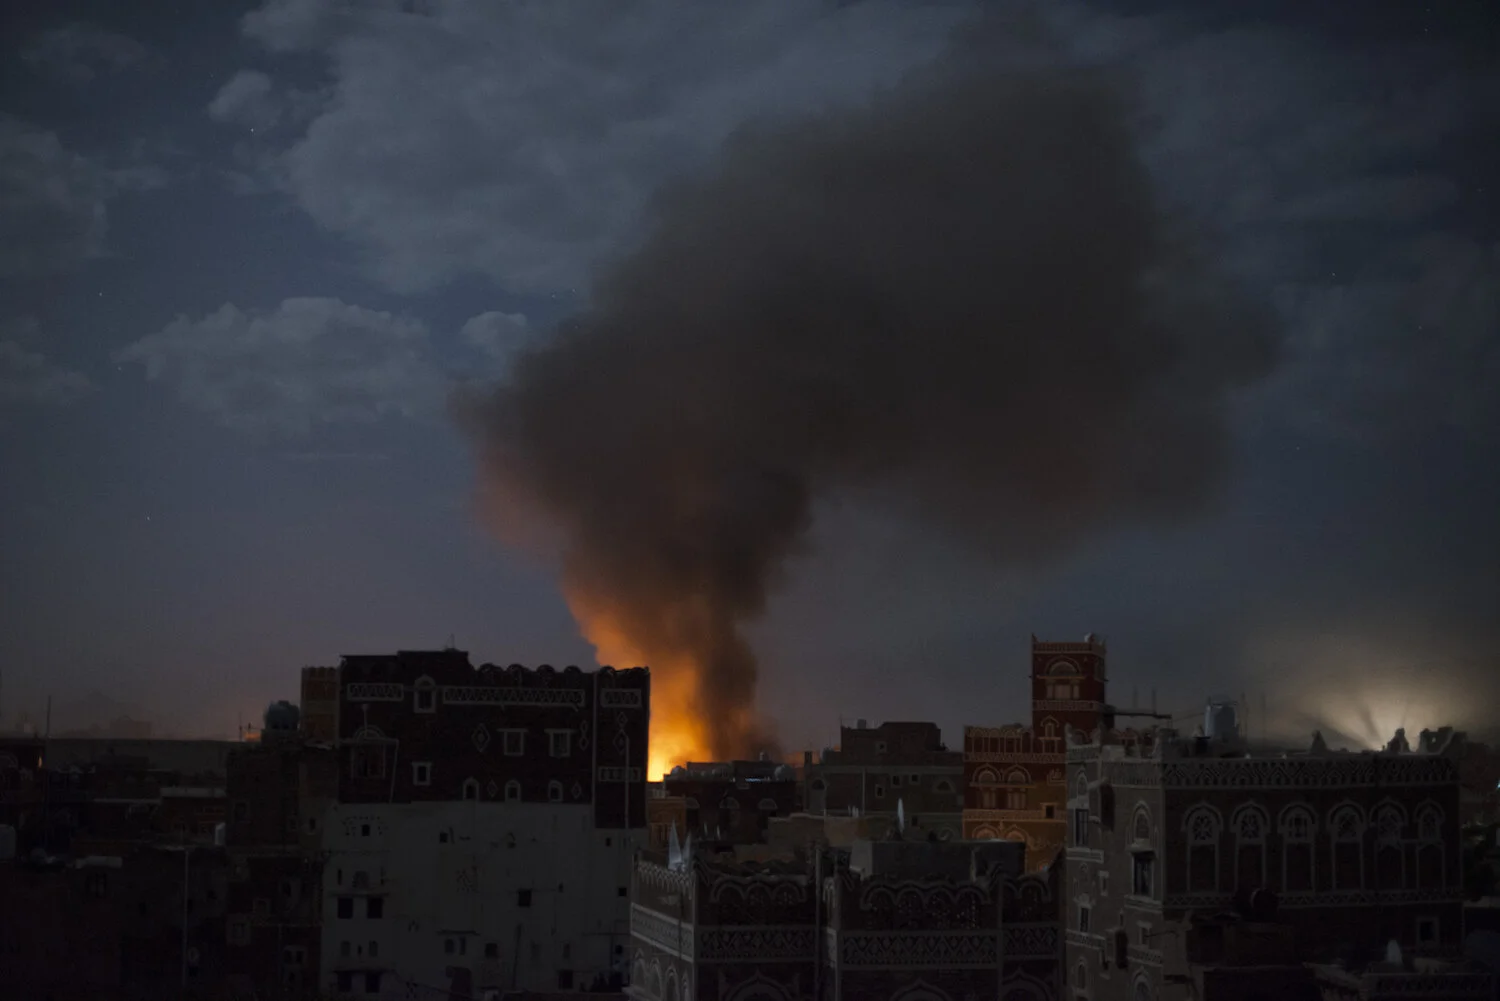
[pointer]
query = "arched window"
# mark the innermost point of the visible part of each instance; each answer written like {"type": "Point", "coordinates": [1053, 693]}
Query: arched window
{"type": "Point", "coordinates": [1390, 861]}
{"type": "Point", "coordinates": [1346, 827]}
{"type": "Point", "coordinates": [554, 791]}
{"type": "Point", "coordinates": [1062, 681]}
{"type": "Point", "coordinates": [1142, 991]}
{"type": "Point", "coordinates": [513, 791]}
{"type": "Point", "coordinates": [1203, 828]}
{"type": "Point", "coordinates": [1015, 796]}
{"type": "Point", "coordinates": [1249, 824]}
{"type": "Point", "coordinates": [1141, 825]}
{"type": "Point", "coordinates": [471, 789]}
{"type": "Point", "coordinates": [424, 695]}
{"type": "Point", "coordinates": [1431, 861]}
{"type": "Point", "coordinates": [985, 781]}
{"type": "Point", "coordinates": [1298, 860]}
{"type": "Point", "coordinates": [729, 813]}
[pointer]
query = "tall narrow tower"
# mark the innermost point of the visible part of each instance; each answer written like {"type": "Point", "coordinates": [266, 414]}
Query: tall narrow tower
{"type": "Point", "coordinates": [1067, 687]}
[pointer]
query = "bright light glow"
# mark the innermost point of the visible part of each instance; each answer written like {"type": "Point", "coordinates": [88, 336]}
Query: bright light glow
{"type": "Point", "coordinates": [677, 730]}
{"type": "Point", "coordinates": [1358, 691]}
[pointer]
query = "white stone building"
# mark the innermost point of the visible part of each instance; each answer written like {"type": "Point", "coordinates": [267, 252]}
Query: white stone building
{"type": "Point", "coordinates": [420, 899]}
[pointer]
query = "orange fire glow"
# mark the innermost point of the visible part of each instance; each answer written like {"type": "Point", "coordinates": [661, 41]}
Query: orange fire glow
{"type": "Point", "coordinates": [677, 733]}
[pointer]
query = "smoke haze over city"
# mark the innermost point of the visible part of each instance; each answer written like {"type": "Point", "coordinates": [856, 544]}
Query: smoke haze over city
{"type": "Point", "coordinates": [845, 345]}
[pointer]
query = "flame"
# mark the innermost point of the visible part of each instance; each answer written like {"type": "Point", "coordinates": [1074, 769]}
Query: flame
{"type": "Point", "coordinates": [678, 733]}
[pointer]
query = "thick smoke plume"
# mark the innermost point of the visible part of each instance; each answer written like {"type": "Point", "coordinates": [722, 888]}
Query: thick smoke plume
{"type": "Point", "coordinates": [962, 299]}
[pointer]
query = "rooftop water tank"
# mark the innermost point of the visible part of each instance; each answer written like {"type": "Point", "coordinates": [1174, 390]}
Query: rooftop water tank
{"type": "Point", "coordinates": [1221, 720]}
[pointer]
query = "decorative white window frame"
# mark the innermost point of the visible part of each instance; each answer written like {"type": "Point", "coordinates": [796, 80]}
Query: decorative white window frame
{"type": "Point", "coordinates": [1251, 825]}
{"type": "Point", "coordinates": [566, 738]}
{"type": "Point", "coordinates": [424, 686]}
{"type": "Point", "coordinates": [509, 733]}
{"type": "Point", "coordinates": [1429, 830]}
{"type": "Point", "coordinates": [1309, 838]}
{"type": "Point", "coordinates": [1197, 840]}
{"type": "Point", "coordinates": [512, 791]}
{"type": "Point", "coordinates": [470, 785]}
{"type": "Point", "coordinates": [554, 791]}
{"type": "Point", "coordinates": [421, 773]}
{"type": "Point", "coordinates": [1346, 808]}
{"type": "Point", "coordinates": [1390, 820]}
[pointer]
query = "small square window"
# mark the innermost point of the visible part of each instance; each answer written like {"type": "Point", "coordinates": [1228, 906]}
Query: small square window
{"type": "Point", "coordinates": [565, 980]}
{"type": "Point", "coordinates": [880, 747]}
{"type": "Point", "coordinates": [523, 898]}
{"type": "Point", "coordinates": [1103, 882]}
{"type": "Point", "coordinates": [895, 781]}
{"type": "Point", "coordinates": [442, 837]}
{"type": "Point", "coordinates": [1050, 811]}
{"type": "Point", "coordinates": [345, 981]}
{"type": "Point", "coordinates": [492, 950]}
{"type": "Point", "coordinates": [1083, 919]}
{"type": "Point", "coordinates": [559, 743]}
{"type": "Point", "coordinates": [364, 830]}
{"type": "Point", "coordinates": [375, 907]}
{"type": "Point", "coordinates": [346, 907]}
{"type": "Point", "coordinates": [421, 773]}
{"type": "Point", "coordinates": [880, 792]}
{"type": "Point", "coordinates": [515, 742]}
{"type": "Point", "coordinates": [623, 891]}
{"type": "Point", "coordinates": [1427, 931]}
{"type": "Point", "coordinates": [372, 982]}
{"type": "Point", "coordinates": [241, 811]}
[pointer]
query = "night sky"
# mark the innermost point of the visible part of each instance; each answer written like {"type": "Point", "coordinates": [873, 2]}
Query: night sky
{"type": "Point", "coordinates": [248, 253]}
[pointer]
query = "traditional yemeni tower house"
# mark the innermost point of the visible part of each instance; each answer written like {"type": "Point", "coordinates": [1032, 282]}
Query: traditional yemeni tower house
{"type": "Point", "coordinates": [1013, 775]}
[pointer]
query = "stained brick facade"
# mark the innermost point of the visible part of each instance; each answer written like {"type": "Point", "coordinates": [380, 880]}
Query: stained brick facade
{"type": "Point", "coordinates": [875, 768]}
{"type": "Point", "coordinates": [429, 727]}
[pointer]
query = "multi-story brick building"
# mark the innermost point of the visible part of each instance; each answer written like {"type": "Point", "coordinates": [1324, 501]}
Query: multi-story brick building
{"type": "Point", "coordinates": [278, 791]}
{"type": "Point", "coordinates": [731, 801]}
{"type": "Point", "coordinates": [888, 919]}
{"type": "Point", "coordinates": [1014, 775]}
{"type": "Point", "coordinates": [1347, 852]}
{"type": "Point", "coordinates": [876, 768]}
{"type": "Point", "coordinates": [484, 825]}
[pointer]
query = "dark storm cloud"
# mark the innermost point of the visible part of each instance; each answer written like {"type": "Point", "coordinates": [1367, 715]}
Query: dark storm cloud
{"type": "Point", "coordinates": [519, 142]}
{"type": "Point", "coordinates": [306, 363]}
{"type": "Point", "coordinates": [28, 378]}
{"type": "Point", "coordinates": [963, 298]}
{"type": "Point", "coordinates": [52, 203]}
{"type": "Point", "coordinates": [79, 52]}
